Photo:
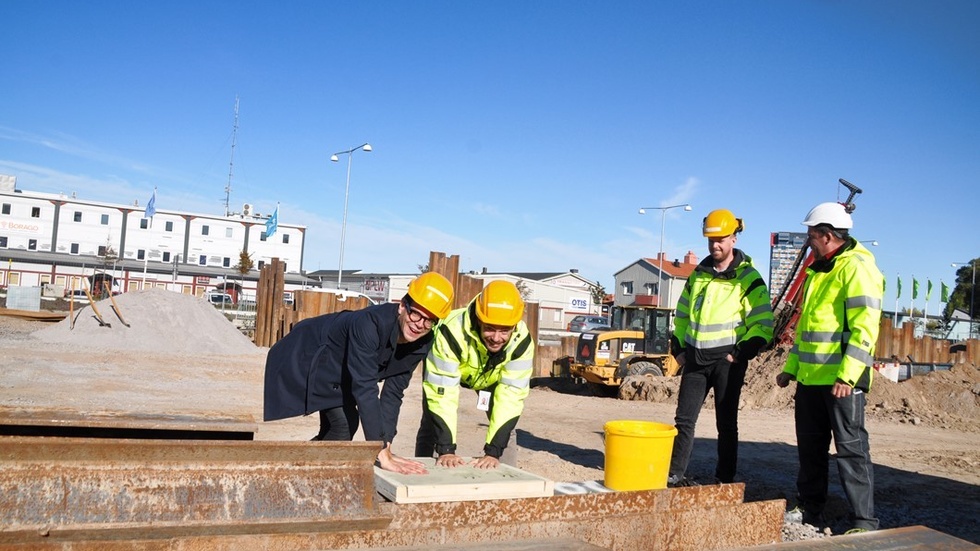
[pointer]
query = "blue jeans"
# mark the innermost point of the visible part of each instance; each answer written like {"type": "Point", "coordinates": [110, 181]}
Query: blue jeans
{"type": "Point", "coordinates": [818, 417]}
{"type": "Point", "coordinates": [726, 379]}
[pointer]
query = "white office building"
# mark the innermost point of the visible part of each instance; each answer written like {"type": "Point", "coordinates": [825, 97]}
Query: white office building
{"type": "Point", "coordinates": [61, 240]}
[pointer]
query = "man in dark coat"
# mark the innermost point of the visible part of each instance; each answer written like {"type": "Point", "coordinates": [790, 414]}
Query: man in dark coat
{"type": "Point", "coordinates": [333, 364]}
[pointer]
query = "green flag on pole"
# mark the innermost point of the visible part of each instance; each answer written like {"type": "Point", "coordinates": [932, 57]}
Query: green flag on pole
{"type": "Point", "coordinates": [915, 288]}
{"type": "Point", "coordinates": [898, 293]}
{"type": "Point", "coordinates": [928, 289]}
{"type": "Point", "coordinates": [943, 291]}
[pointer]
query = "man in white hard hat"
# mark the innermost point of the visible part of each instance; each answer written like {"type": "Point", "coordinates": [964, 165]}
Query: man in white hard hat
{"type": "Point", "coordinates": [831, 363]}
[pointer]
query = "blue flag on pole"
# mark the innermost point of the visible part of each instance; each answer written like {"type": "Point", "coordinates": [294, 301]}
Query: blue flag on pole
{"type": "Point", "coordinates": [272, 224]}
{"type": "Point", "coordinates": [151, 205]}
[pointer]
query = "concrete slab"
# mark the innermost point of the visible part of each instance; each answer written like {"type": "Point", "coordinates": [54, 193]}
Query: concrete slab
{"type": "Point", "coordinates": [464, 483]}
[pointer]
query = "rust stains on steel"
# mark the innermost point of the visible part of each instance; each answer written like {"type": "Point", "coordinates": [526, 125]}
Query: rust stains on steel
{"type": "Point", "coordinates": [70, 484]}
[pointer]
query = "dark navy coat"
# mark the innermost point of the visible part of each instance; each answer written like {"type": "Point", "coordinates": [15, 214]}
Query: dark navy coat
{"type": "Point", "coordinates": [327, 361]}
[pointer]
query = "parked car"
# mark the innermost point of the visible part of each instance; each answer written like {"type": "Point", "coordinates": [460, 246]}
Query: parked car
{"type": "Point", "coordinates": [220, 298]}
{"type": "Point", "coordinates": [588, 323]}
{"type": "Point", "coordinates": [76, 295]}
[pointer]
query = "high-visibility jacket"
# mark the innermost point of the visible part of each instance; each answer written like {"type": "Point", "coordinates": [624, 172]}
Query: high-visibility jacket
{"type": "Point", "coordinates": [839, 320]}
{"type": "Point", "coordinates": [723, 313]}
{"type": "Point", "coordinates": [459, 358]}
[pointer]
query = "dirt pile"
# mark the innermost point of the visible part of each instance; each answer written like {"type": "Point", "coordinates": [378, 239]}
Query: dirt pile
{"type": "Point", "coordinates": [948, 399]}
{"type": "Point", "coordinates": [158, 321]}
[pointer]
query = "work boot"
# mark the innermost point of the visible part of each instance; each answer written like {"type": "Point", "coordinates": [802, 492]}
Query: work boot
{"type": "Point", "coordinates": [799, 515]}
{"type": "Point", "coordinates": [675, 481]}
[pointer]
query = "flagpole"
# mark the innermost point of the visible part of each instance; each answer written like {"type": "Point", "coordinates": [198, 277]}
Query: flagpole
{"type": "Point", "coordinates": [898, 293]}
{"type": "Point", "coordinates": [912, 304]}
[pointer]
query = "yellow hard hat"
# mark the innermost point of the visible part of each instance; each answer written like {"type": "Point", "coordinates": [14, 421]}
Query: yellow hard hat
{"type": "Point", "coordinates": [721, 223]}
{"type": "Point", "coordinates": [433, 292]}
{"type": "Point", "coordinates": [500, 303]}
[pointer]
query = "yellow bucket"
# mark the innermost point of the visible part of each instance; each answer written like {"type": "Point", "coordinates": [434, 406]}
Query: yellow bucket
{"type": "Point", "coordinates": [638, 454]}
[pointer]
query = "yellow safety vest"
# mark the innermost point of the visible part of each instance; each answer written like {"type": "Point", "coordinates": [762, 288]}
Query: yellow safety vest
{"type": "Point", "coordinates": [719, 312]}
{"type": "Point", "coordinates": [839, 320]}
{"type": "Point", "coordinates": [459, 358]}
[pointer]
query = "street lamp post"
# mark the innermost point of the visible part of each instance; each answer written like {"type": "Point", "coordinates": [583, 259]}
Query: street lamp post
{"type": "Point", "coordinates": [343, 227]}
{"type": "Point", "coordinates": [872, 242]}
{"type": "Point", "coordinates": [660, 255]}
{"type": "Point", "coordinates": [973, 289]}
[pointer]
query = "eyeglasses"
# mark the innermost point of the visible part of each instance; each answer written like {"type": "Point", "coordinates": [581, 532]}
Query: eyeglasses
{"type": "Point", "coordinates": [415, 316]}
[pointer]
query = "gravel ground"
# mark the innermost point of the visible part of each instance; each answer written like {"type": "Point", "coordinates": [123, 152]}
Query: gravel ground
{"type": "Point", "coordinates": [182, 355]}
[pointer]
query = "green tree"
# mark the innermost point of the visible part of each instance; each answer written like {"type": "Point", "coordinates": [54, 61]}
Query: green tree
{"type": "Point", "coordinates": [244, 266]}
{"type": "Point", "coordinates": [598, 294]}
{"type": "Point", "coordinates": [963, 291]}
{"type": "Point", "coordinates": [523, 289]}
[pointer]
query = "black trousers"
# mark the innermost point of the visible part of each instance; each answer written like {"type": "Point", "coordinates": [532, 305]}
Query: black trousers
{"type": "Point", "coordinates": [338, 423]}
{"type": "Point", "coordinates": [726, 379]}
{"type": "Point", "coordinates": [818, 417]}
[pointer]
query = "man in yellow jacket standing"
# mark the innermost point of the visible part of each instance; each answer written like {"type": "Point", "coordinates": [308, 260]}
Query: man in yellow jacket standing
{"type": "Point", "coordinates": [723, 319]}
{"type": "Point", "coordinates": [831, 363]}
{"type": "Point", "coordinates": [485, 347]}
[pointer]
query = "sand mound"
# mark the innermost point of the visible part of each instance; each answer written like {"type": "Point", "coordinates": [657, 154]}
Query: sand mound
{"type": "Point", "coordinates": [159, 321]}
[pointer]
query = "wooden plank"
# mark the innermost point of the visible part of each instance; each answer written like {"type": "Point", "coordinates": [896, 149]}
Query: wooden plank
{"type": "Point", "coordinates": [39, 315]}
{"type": "Point", "coordinates": [464, 483]}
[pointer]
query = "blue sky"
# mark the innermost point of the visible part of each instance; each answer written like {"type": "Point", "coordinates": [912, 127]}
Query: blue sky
{"type": "Point", "coordinates": [522, 136]}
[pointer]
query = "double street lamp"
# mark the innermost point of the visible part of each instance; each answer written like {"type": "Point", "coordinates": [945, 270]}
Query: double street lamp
{"type": "Point", "coordinates": [660, 256]}
{"type": "Point", "coordinates": [343, 229]}
{"type": "Point", "coordinates": [973, 288]}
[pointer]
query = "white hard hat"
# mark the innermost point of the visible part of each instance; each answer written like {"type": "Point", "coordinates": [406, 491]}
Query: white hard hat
{"type": "Point", "coordinates": [832, 214]}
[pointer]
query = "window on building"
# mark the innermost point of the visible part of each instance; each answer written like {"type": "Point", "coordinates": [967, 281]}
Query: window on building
{"type": "Point", "coordinates": [261, 265]}
{"type": "Point", "coordinates": [105, 219]}
{"type": "Point", "coordinates": [32, 245]}
{"type": "Point", "coordinates": [144, 223]}
{"type": "Point", "coordinates": [140, 254]}
{"type": "Point", "coordinates": [45, 279]}
{"type": "Point", "coordinates": [169, 226]}
{"type": "Point", "coordinates": [203, 260]}
{"type": "Point", "coordinates": [166, 256]}
{"type": "Point", "coordinates": [226, 262]}
{"type": "Point", "coordinates": [78, 216]}
{"type": "Point", "coordinates": [627, 287]}
{"type": "Point", "coordinates": [6, 208]}
{"type": "Point", "coordinates": [229, 232]}
{"type": "Point", "coordinates": [650, 288]}
{"type": "Point", "coordinates": [205, 230]}
{"type": "Point", "coordinates": [102, 250]}
{"type": "Point", "coordinates": [74, 248]}
{"type": "Point", "coordinates": [35, 212]}
{"type": "Point", "coordinates": [262, 236]}
{"type": "Point", "coordinates": [3, 241]}
{"type": "Point", "coordinates": [285, 238]}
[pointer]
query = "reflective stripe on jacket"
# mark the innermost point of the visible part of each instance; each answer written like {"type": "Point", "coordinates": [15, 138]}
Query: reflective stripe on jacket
{"type": "Point", "coordinates": [839, 320]}
{"type": "Point", "coordinates": [722, 313]}
{"type": "Point", "coordinates": [459, 358]}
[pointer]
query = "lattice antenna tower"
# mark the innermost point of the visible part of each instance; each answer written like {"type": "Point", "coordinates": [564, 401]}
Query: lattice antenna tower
{"type": "Point", "coordinates": [231, 163]}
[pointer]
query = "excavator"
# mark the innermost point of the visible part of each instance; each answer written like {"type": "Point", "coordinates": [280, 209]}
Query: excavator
{"type": "Point", "coordinates": [639, 341]}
